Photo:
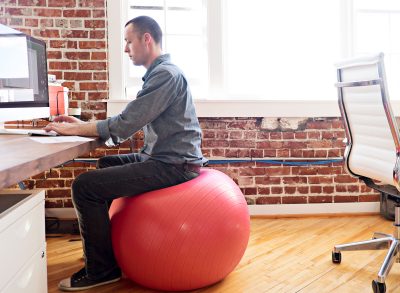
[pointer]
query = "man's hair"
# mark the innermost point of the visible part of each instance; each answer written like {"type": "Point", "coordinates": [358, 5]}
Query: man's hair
{"type": "Point", "coordinates": [145, 24]}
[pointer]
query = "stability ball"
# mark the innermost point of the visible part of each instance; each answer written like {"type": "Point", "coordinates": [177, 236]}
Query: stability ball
{"type": "Point", "coordinates": [182, 237]}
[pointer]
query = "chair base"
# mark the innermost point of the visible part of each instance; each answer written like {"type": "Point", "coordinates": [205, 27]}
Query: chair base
{"type": "Point", "coordinates": [379, 241]}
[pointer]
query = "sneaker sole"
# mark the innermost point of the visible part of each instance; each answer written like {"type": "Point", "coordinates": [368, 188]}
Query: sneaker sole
{"type": "Point", "coordinates": [71, 289]}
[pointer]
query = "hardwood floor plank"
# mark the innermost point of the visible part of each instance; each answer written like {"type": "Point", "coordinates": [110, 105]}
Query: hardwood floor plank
{"type": "Point", "coordinates": [283, 255]}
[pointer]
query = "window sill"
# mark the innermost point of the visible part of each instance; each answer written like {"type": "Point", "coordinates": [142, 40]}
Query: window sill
{"type": "Point", "coordinates": [257, 108]}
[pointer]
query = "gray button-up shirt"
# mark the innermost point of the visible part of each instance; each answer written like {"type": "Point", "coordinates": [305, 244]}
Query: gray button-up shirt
{"type": "Point", "coordinates": [164, 109]}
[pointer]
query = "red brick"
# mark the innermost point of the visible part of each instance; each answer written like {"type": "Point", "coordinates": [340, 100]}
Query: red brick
{"type": "Point", "coordinates": [18, 11]}
{"type": "Point", "coordinates": [269, 200]}
{"type": "Point", "coordinates": [345, 179]}
{"type": "Point", "coordinates": [92, 65]}
{"type": "Point", "coordinates": [33, 22]}
{"type": "Point", "coordinates": [95, 23]}
{"type": "Point", "coordinates": [319, 125]}
{"type": "Point", "coordinates": [269, 153]}
{"type": "Point", "coordinates": [63, 65]}
{"type": "Point", "coordinates": [91, 3]}
{"type": "Point", "coordinates": [369, 197]}
{"type": "Point", "coordinates": [289, 189]}
{"type": "Point", "coordinates": [57, 193]}
{"type": "Point", "coordinates": [300, 135]}
{"type": "Point", "coordinates": [313, 135]}
{"type": "Point", "coordinates": [275, 135]}
{"type": "Point", "coordinates": [288, 135]}
{"type": "Point", "coordinates": [249, 191]}
{"type": "Point", "coordinates": [77, 75]}
{"type": "Point", "coordinates": [276, 190]}
{"type": "Point", "coordinates": [343, 198]}
{"type": "Point", "coordinates": [47, 12]}
{"type": "Point", "coordinates": [303, 189]}
{"type": "Point", "coordinates": [320, 180]}
{"type": "Point", "coordinates": [263, 190]}
{"type": "Point", "coordinates": [75, 34]}
{"type": "Point", "coordinates": [49, 183]}
{"type": "Point", "coordinates": [98, 56]}
{"type": "Point", "coordinates": [77, 55]}
{"type": "Point", "coordinates": [293, 180]}
{"type": "Point", "coordinates": [221, 134]}
{"type": "Point", "coordinates": [70, 13]}
{"type": "Point", "coordinates": [61, 3]}
{"type": "Point", "coordinates": [32, 2]}
{"type": "Point", "coordinates": [77, 96]}
{"type": "Point", "coordinates": [294, 199]}
{"type": "Point", "coordinates": [296, 153]}
{"type": "Point", "coordinates": [98, 13]}
{"type": "Point", "coordinates": [53, 204]}
{"type": "Point", "coordinates": [241, 144]}
{"type": "Point", "coordinates": [94, 86]}
{"type": "Point", "coordinates": [267, 180]}
{"type": "Point", "coordinates": [283, 153]}
{"type": "Point", "coordinates": [245, 125]}
{"type": "Point", "coordinates": [54, 55]}
{"type": "Point", "coordinates": [316, 189]}
{"type": "Point", "coordinates": [320, 199]}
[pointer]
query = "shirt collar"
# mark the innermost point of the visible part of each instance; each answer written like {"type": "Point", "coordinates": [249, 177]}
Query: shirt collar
{"type": "Point", "coordinates": [157, 61]}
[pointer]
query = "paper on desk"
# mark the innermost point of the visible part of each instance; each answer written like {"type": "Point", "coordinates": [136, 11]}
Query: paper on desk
{"type": "Point", "coordinates": [60, 139]}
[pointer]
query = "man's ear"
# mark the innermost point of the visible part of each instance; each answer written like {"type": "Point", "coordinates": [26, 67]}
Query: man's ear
{"type": "Point", "coordinates": [147, 38]}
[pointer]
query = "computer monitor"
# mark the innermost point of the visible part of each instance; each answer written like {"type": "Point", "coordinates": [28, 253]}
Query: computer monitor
{"type": "Point", "coordinates": [24, 93]}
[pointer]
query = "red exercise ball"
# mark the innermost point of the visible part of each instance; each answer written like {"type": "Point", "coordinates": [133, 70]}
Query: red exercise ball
{"type": "Point", "coordinates": [182, 237]}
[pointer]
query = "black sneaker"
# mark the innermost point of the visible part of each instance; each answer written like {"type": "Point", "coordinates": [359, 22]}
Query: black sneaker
{"type": "Point", "coordinates": [80, 281]}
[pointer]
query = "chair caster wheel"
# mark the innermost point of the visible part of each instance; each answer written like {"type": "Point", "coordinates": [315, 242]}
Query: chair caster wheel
{"type": "Point", "coordinates": [336, 257]}
{"type": "Point", "coordinates": [378, 287]}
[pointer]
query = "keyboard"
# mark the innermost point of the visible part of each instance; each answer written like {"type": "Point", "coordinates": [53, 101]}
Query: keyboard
{"type": "Point", "coordinates": [26, 131]}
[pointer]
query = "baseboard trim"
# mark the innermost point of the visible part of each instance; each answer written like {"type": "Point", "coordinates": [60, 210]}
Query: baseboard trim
{"type": "Point", "coordinates": [61, 213]}
{"type": "Point", "coordinates": [270, 210]}
{"type": "Point", "coordinates": [314, 209]}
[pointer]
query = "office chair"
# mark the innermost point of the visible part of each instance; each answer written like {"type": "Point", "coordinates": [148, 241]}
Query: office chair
{"type": "Point", "coordinates": [372, 148]}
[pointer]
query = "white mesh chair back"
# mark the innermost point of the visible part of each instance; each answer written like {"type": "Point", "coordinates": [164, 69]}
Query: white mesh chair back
{"type": "Point", "coordinates": [371, 130]}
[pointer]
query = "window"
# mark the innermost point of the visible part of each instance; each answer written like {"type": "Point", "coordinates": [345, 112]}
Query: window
{"type": "Point", "coordinates": [377, 28]}
{"type": "Point", "coordinates": [265, 50]}
{"type": "Point", "coordinates": [183, 24]}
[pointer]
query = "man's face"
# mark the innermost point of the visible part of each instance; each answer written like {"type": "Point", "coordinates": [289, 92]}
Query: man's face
{"type": "Point", "coordinates": [135, 46]}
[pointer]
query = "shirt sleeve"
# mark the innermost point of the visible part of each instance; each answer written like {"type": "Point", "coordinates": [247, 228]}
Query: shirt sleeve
{"type": "Point", "coordinates": [158, 93]}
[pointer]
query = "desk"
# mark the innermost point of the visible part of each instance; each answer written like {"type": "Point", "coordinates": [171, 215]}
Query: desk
{"type": "Point", "coordinates": [21, 157]}
{"type": "Point", "coordinates": [22, 217]}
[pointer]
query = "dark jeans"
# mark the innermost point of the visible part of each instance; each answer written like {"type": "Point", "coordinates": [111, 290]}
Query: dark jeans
{"type": "Point", "coordinates": [93, 191]}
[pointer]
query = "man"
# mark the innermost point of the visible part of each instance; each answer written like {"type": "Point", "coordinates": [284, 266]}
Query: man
{"type": "Point", "coordinates": [171, 153]}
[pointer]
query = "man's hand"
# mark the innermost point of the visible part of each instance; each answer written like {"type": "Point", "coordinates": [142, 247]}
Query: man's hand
{"type": "Point", "coordinates": [68, 119]}
{"type": "Point", "coordinates": [68, 125]}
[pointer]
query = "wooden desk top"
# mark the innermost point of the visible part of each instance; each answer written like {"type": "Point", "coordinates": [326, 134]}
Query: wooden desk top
{"type": "Point", "coordinates": [21, 157]}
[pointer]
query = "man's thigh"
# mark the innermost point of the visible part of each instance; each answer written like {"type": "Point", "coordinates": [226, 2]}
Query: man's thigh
{"type": "Point", "coordinates": [126, 180]}
{"type": "Point", "coordinates": [117, 160]}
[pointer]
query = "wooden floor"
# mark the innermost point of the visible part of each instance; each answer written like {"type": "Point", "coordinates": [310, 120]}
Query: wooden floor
{"type": "Point", "coordinates": [283, 255]}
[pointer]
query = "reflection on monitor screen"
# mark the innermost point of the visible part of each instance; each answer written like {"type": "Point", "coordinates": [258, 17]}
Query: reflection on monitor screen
{"type": "Point", "coordinates": [24, 93]}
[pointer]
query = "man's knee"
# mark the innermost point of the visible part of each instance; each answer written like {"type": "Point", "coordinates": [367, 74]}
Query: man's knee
{"type": "Point", "coordinates": [81, 185]}
{"type": "Point", "coordinates": [102, 163]}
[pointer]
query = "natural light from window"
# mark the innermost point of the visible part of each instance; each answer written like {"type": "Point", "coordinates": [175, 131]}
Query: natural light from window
{"type": "Point", "coordinates": [270, 50]}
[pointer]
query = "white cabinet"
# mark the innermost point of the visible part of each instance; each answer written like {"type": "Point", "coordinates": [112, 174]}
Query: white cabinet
{"type": "Point", "coordinates": [22, 242]}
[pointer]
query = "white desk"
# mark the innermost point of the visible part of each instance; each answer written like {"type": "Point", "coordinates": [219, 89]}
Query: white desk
{"type": "Point", "coordinates": [23, 267]}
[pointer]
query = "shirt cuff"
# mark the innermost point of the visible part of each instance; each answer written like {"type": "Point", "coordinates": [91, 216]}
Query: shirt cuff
{"type": "Point", "coordinates": [103, 129]}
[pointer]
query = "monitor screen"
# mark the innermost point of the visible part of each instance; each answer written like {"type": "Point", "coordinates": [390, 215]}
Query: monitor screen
{"type": "Point", "coordinates": [24, 93]}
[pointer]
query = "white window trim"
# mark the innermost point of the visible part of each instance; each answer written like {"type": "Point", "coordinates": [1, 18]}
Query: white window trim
{"type": "Point", "coordinates": [116, 13]}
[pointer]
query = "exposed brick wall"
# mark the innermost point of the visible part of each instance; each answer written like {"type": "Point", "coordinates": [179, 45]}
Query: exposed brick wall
{"type": "Point", "coordinates": [76, 35]}
{"type": "Point", "coordinates": [289, 140]}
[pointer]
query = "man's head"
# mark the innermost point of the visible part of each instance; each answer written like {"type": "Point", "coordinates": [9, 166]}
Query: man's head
{"type": "Point", "coordinates": [143, 39]}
